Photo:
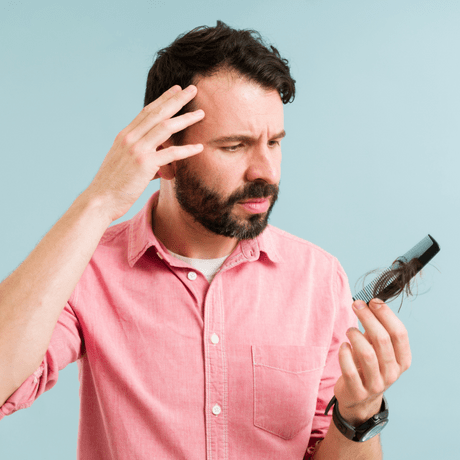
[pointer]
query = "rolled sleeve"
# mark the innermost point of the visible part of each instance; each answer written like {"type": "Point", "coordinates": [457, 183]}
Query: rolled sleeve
{"type": "Point", "coordinates": [65, 347]}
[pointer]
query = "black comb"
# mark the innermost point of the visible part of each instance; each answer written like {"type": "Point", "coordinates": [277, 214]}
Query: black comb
{"type": "Point", "coordinates": [424, 251]}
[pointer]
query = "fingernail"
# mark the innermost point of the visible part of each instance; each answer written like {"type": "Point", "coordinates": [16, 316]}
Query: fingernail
{"type": "Point", "coordinates": [190, 89]}
{"type": "Point", "coordinates": [359, 304]}
{"type": "Point", "coordinates": [376, 303]}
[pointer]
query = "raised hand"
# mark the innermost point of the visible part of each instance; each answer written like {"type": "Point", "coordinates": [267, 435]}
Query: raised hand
{"type": "Point", "coordinates": [137, 154]}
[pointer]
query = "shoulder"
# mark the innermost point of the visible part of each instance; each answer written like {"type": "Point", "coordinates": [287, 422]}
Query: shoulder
{"type": "Point", "coordinates": [288, 245]}
{"type": "Point", "coordinates": [114, 234]}
{"type": "Point", "coordinates": [113, 247]}
{"type": "Point", "coordinates": [308, 264]}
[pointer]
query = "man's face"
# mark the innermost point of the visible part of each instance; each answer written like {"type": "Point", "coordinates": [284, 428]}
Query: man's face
{"type": "Point", "coordinates": [231, 187]}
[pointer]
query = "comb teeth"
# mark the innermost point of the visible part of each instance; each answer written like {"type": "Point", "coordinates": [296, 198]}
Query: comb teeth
{"type": "Point", "coordinates": [424, 250]}
{"type": "Point", "coordinates": [367, 293]}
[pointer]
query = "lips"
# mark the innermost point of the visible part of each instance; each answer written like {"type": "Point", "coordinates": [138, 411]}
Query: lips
{"type": "Point", "coordinates": [256, 205]}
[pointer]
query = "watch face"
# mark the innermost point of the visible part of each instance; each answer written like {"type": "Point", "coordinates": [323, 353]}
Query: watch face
{"type": "Point", "coordinates": [374, 431]}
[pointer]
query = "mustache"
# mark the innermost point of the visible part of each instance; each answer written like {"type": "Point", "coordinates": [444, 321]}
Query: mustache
{"type": "Point", "coordinates": [254, 190]}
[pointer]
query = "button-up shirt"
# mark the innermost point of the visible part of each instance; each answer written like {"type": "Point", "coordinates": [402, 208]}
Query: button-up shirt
{"type": "Point", "coordinates": [172, 367]}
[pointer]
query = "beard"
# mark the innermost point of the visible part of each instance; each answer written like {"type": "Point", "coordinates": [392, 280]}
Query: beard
{"type": "Point", "coordinates": [214, 212]}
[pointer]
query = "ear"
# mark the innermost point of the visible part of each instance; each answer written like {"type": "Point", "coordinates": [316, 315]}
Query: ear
{"type": "Point", "coordinates": [167, 172]}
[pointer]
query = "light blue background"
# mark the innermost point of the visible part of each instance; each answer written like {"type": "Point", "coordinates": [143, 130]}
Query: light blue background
{"type": "Point", "coordinates": [370, 162]}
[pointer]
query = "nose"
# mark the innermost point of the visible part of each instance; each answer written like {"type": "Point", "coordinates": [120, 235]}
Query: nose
{"type": "Point", "coordinates": [264, 164]}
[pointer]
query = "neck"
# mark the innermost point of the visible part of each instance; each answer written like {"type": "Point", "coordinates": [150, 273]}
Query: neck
{"type": "Point", "coordinates": [181, 234]}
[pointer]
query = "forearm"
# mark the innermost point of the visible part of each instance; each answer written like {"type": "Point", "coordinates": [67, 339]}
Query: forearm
{"type": "Point", "coordinates": [335, 446]}
{"type": "Point", "coordinates": [33, 296]}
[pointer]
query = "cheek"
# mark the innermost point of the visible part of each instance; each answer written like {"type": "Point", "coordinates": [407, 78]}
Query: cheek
{"type": "Point", "coordinates": [224, 183]}
{"type": "Point", "coordinates": [223, 173]}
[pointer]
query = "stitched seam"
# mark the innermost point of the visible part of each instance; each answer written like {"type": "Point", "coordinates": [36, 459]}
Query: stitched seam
{"type": "Point", "coordinates": [273, 432]}
{"type": "Point", "coordinates": [260, 425]}
{"type": "Point", "coordinates": [113, 232]}
{"type": "Point", "coordinates": [288, 372]}
{"type": "Point", "coordinates": [224, 367]}
{"type": "Point", "coordinates": [234, 263]}
{"type": "Point", "coordinates": [255, 389]}
{"type": "Point", "coordinates": [335, 297]}
{"type": "Point", "coordinates": [209, 444]}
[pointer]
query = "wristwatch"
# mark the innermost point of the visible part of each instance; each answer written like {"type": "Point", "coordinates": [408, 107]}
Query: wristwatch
{"type": "Point", "coordinates": [365, 431]}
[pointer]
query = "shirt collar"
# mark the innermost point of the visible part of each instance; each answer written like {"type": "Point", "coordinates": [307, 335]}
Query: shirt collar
{"type": "Point", "coordinates": [267, 245]}
{"type": "Point", "coordinates": [140, 233]}
{"type": "Point", "coordinates": [141, 238]}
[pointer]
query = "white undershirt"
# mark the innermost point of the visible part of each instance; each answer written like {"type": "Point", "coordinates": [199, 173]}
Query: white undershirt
{"type": "Point", "coordinates": [209, 267]}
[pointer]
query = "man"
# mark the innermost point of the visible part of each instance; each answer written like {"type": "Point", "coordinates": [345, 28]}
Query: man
{"type": "Point", "coordinates": [199, 330]}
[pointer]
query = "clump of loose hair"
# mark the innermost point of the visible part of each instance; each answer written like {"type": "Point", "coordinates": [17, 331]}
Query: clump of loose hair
{"type": "Point", "coordinates": [205, 50]}
{"type": "Point", "coordinates": [396, 280]}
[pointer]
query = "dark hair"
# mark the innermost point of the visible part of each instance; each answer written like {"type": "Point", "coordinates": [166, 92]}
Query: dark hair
{"type": "Point", "coordinates": [205, 50]}
{"type": "Point", "coordinates": [395, 281]}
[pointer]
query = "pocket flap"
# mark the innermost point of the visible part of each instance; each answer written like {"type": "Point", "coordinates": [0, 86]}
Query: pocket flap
{"type": "Point", "coordinates": [289, 358]}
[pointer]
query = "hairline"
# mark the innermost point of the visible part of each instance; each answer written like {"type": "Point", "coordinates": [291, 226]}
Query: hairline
{"type": "Point", "coordinates": [234, 73]}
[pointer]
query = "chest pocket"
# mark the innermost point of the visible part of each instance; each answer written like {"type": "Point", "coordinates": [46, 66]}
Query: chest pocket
{"type": "Point", "coordinates": [286, 382]}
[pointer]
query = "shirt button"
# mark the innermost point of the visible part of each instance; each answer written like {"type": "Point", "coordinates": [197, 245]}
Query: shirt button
{"type": "Point", "coordinates": [191, 276]}
{"type": "Point", "coordinates": [216, 410]}
{"type": "Point", "coordinates": [214, 338]}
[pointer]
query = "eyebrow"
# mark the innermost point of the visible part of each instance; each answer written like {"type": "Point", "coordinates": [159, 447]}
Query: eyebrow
{"type": "Point", "coordinates": [241, 138]}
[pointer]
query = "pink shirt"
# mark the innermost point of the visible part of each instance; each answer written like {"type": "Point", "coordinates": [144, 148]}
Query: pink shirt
{"type": "Point", "coordinates": [172, 367]}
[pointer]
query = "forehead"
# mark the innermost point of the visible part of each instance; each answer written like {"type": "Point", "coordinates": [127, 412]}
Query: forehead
{"type": "Point", "coordinates": [233, 105]}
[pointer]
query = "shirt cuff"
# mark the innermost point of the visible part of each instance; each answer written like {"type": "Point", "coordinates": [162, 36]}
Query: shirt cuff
{"type": "Point", "coordinates": [312, 449]}
{"type": "Point", "coordinates": [25, 395]}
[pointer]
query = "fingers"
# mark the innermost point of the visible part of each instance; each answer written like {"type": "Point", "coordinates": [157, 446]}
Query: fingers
{"type": "Point", "coordinates": [385, 332]}
{"type": "Point", "coordinates": [154, 125]}
{"type": "Point", "coordinates": [175, 153]}
{"type": "Point", "coordinates": [352, 377]}
{"type": "Point", "coordinates": [382, 353]}
{"type": "Point", "coordinates": [148, 144]}
{"type": "Point", "coordinates": [149, 108]}
{"type": "Point", "coordinates": [368, 368]}
{"type": "Point", "coordinates": [156, 115]}
{"type": "Point", "coordinates": [374, 360]}
{"type": "Point", "coordinates": [166, 128]}
{"type": "Point", "coordinates": [176, 89]}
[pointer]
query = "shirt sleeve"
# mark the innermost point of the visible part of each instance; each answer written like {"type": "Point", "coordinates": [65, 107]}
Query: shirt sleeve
{"type": "Point", "coordinates": [65, 347]}
{"type": "Point", "coordinates": [343, 320]}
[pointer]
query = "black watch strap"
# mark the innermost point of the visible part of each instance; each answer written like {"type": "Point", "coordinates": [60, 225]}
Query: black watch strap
{"type": "Point", "coordinates": [366, 430]}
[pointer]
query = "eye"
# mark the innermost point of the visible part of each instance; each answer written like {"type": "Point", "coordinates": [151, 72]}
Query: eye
{"type": "Point", "coordinates": [274, 143]}
{"type": "Point", "coordinates": [232, 148]}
